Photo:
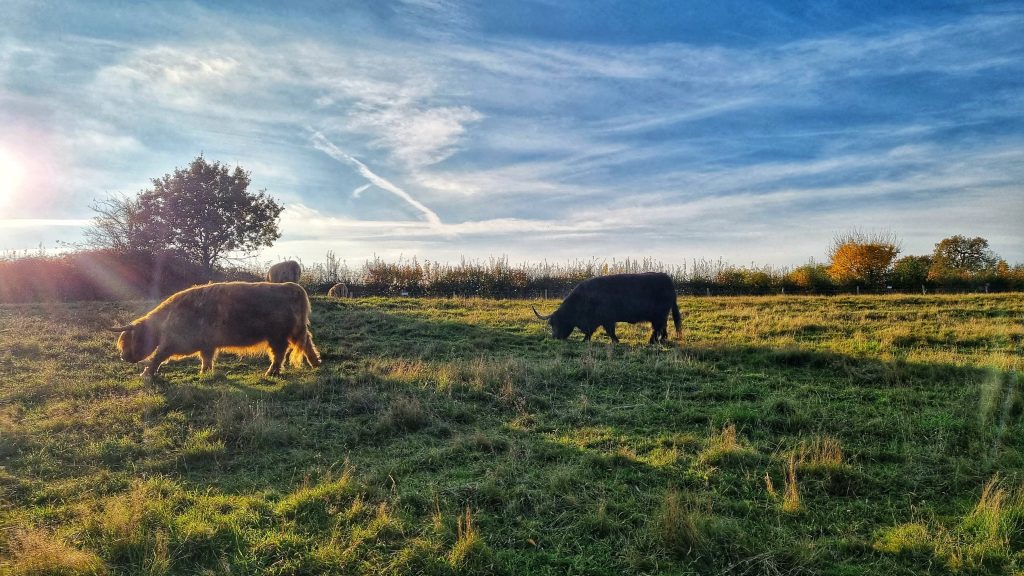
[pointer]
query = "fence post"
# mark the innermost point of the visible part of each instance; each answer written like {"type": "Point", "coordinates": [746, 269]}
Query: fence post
{"type": "Point", "coordinates": [858, 290]}
{"type": "Point", "coordinates": [922, 289]}
{"type": "Point", "coordinates": [708, 290]}
{"type": "Point", "coordinates": [545, 293]}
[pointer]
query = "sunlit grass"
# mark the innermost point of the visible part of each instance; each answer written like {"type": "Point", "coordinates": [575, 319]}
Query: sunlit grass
{"type": "Point", "coordinates": [441, 436]}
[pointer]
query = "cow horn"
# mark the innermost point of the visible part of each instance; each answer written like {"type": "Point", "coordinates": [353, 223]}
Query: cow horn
{"type": "Point", "coordinates": [538, 314]}
{"type": "Point", "coordinates": [125, 328]}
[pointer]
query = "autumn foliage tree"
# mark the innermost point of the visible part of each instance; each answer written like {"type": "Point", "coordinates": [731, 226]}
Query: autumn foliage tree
{"type": "Point", "coordinates": [861, 258]}
{"type": "Point", "coordinates": [202, 213]}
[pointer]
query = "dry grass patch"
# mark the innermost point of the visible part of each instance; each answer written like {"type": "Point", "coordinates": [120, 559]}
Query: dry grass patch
{"type": "Point", "coordinates": [823, 453]}
{"type": "Point", "coordinates": [677, 525]}
{"type": "Point", "coordinates": [988, 538]}
{"type": "Point", "coordinates": [722, 445]}
{"type": "Point", "coordinates": [468, 542]}
{"type": "Point", "coordinates": [37, 552]}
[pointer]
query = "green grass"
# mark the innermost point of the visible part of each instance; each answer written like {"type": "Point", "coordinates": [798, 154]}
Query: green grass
{"type": "Point", "coordinates": [870, 435]}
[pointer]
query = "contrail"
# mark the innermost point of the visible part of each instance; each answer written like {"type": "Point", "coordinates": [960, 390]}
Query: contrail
{"type": "Point", "coordinates": [359, 191]}
{"type": "Point", "coordinates": [327, 147]}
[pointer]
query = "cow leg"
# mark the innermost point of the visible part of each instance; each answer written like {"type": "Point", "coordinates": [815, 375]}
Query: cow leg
{"type": "Point", "coordinates": [278, 352]}
{"type": "Point", "coordinates": [310, 352]}
{"type": "Point", "coordinates": [206, 357]}
{"type": "Point", "coordinates": [609, 329]}
{"type": "Point", "coordinates": [660, 331]}
{"type": "Point", "coordinates": [158, 358]}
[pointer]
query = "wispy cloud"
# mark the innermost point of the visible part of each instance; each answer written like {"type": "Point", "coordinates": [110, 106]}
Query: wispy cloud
{"type": "Point", "coordinates": [516, 139]}
{"type": "Point", "coordinates": [327, 147]}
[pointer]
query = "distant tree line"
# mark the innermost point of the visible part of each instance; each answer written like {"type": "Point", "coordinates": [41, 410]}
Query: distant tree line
{"type": "Point", "coordinates": [957, 263]}
{"type": "Point", "coordinates": [497, 277]}
{"type": "Point", "coordinates": [102, 275]}
{"type": "Point", "coordinates": [198, 224]}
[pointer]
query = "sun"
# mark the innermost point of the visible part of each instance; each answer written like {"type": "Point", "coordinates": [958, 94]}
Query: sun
{"type": "Point", "coordinates": [11, 174]}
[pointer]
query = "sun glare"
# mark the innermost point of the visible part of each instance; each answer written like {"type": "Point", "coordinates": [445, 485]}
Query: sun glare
{"type": "Point", "coordinates": [10, 177]}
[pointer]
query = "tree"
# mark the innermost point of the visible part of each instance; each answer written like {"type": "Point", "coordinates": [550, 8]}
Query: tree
{"type": "Point", "coordinates": [959, 257]}
{"type": "Point", "coordinates": [810, 277]}
{"type": "Point", "coordinates": [118, 225]}
{"type": "Point", "coordinates": [910, 272]}
{"type": "Point", "coordinates": [203, 213]}
{"type": "Point", "coordinates": [860, 258]}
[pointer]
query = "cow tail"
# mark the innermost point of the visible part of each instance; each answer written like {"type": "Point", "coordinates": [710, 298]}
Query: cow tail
{"type": "Point", "coordinates": [676, 318]}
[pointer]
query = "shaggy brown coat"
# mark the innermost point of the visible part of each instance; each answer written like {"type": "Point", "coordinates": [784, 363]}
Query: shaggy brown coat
{"type": "Point", "coordinates": [339, 290]}
{"type": "Point", "coordinates": [287, 271]}
{"type": "Point", "coordinates": [240, 317]}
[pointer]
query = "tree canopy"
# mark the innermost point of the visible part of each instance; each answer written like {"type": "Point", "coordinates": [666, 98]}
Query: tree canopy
{"type": "Point", "coordinates": [203, 213]}
{"type": "Point", "coordinates": [910, 272]}
{"type": "Point", "coordinates": [961, 257]}
{"type": "Point", "coordinates": [862, 258]}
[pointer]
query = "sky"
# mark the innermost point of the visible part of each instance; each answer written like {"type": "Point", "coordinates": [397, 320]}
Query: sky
{"type": "Point", "coordinates": [750, 131]}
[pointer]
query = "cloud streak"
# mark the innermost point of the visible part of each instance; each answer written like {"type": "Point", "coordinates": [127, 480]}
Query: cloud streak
{"type": "Point", "coordinates": [517, 138]}
{"type": "Point", "coordinates": [327, 147]}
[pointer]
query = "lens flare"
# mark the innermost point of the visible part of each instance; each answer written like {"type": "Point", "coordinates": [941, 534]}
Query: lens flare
{"type": "Point", "coordinates": [11, 174]}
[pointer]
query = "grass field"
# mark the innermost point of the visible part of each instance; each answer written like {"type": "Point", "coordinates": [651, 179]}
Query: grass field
{"type": "Point", "coordinates": [848, 435]}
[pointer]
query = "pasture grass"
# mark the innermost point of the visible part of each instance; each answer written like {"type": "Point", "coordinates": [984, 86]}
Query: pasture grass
{"type": "Point", "coordinates": [800, 435]}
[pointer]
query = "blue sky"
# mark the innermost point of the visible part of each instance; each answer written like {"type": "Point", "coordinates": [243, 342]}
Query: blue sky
{"type": "Point", "coordinates": [749, 131]}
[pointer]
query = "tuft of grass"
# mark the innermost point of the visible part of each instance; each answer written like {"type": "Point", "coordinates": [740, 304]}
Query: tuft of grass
{"type": "Point", "coordinates": [722, 445]}
{"type": "Point", "coordinates": [201, 447]}
{"type": "Point", "coordinates": [316, 503]}
{"type": "Point", "coordinates": [910, 538]}
{"type": "Point", "coordinates": [247, 424]}
{"type": "Point", "coordinates": [159, 561]}
{"type": "Point", "coordinates": [823, 453]}
{"type": "Point", "coordinates": [36, 551]}
{"type": "Point", "coordinates": [406, 414]}
{"type": "Point", "coordinates": [791, 493]}
{"type": "Point", "coordinates": [986, 538]}
{"type": "Point", "coordinates": [676, 525]}
{"type": "Point", "coordinates": [469, 546]}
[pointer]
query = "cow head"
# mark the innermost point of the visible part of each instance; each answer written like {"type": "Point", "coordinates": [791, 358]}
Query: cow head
{"type": "Point", "coordinates": [136, 342]}
{"type": "Point", "coordinates": [561, 326]}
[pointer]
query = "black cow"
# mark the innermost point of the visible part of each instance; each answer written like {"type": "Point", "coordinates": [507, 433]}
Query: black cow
{"type": "Point", "coordinates": [605, 300]}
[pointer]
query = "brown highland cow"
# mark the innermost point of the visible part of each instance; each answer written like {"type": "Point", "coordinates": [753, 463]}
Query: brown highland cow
{"type": "Point", "coordinates": [287, 271]}
{"type": "Point", "coordinates": [239, 317]}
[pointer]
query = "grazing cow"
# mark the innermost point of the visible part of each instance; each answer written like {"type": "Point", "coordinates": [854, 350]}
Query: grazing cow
{"type": "Point", "coordinates": [605, 300]}
{"type": "Point", "coordinates": [339, 290]}
{"type": "Point", "coordinates": [287, 271]}
{"type": "Point", "coordinates": [240, 317]}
